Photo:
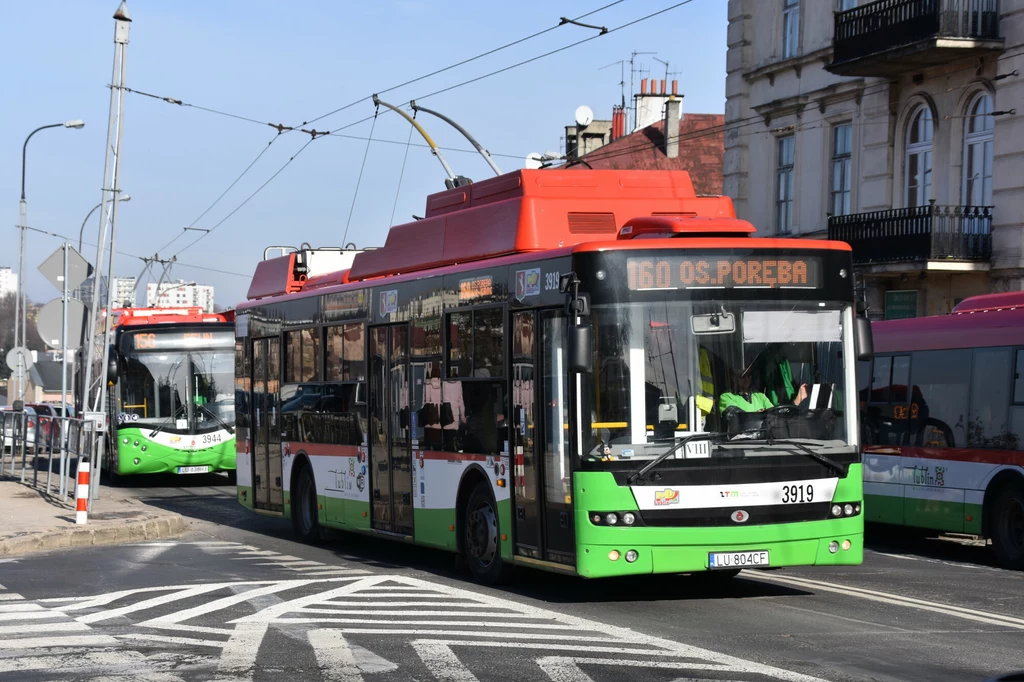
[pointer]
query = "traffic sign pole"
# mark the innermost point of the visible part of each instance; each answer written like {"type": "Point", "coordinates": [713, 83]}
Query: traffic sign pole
{"type": "Point", "coordinates": [64, 343]}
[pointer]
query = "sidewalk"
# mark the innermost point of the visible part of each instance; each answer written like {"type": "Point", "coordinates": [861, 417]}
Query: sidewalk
{"type": "Point", "coordinates": [32, 521]}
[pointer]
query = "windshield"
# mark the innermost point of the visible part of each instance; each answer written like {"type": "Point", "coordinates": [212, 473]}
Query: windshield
{"type": "Point", "coordinates": [752, 370]}
{"type": "Point", "coordinates": [183, 392]}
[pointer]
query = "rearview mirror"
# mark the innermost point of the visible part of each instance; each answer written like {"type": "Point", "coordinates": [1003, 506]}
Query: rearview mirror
{"type": "Point", "coordinates": [113, 365]}
{"type": "Point", "coordinates": [581, 349]}
{"type": "Point", "coordinates": [863, 341]}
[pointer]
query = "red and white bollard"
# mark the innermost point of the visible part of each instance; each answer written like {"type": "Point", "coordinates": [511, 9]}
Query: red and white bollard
{"type": "Point", "coordinates": [82, 494]}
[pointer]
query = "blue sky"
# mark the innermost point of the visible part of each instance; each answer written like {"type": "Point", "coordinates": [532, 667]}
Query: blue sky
{"type": "Point", "coordinates": [289, 62]}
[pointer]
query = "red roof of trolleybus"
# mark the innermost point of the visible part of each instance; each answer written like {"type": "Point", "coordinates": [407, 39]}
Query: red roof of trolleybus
{"type": "Point", "coordinates": [978, 322]}
{"type": "Point", "coordinates": [530, 215]}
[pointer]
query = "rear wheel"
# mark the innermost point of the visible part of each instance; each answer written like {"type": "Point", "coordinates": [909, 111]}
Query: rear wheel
{"type": "Point", "coordinates": [480, 534]}
{"type": "Point", "coordinates": [718, 576]}
{"type": "Point", "coordinates": [232, 477]}
{"type": "Point", "coordinates": [305, 516]}
{"type": "Point", "coordinates": [1008, 526]}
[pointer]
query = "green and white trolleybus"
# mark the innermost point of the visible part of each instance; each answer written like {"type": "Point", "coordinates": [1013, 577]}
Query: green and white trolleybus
{"type": "Point", "coordinates": [593, 372]}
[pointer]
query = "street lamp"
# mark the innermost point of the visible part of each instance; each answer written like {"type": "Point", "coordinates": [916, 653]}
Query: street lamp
{"type": "Point", "coordinates": [126, 197]}
{"type": "Point", "coordinates": [21, 302]}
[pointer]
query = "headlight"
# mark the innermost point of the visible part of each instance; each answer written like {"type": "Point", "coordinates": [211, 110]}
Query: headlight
{"type": "Point", "coordinates": [628, 518]}
{"type": "Point", "coordinates": [611, 519]}
{"type": "Point", "coordinates": [615, 518]}
{"type": "Point", "coordinates": [845, 509]}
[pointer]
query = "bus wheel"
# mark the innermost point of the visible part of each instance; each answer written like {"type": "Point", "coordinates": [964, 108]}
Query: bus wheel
{"type": "Point", "coordinates": [718, 575]}
{"type": "Point", "coordinates": [232, 477]}
{"type": "Point", "coordinates": [480, 537]}
{"type": "Point", "coordinates": [1008, 526]}
{"type": "Point", "coordinates": [305, 518]}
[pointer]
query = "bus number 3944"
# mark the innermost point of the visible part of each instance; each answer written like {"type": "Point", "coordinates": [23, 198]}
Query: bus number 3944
{"type": "Point", "coordinates": [795, 494]}
{"type": "Point", "coordinates": [209, 438]}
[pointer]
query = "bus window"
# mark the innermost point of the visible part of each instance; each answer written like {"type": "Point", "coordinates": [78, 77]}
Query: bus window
{"type": "Point", "coordinates": [302, 355]}
{"type": "Point", "coordinates": [990, 399]}
{"type": "Point", "coordinates": [346, 353]}
{"type": "Point", "coordinates": [881, 380]}
{"type": "Point", "coordinates": [941, 381]}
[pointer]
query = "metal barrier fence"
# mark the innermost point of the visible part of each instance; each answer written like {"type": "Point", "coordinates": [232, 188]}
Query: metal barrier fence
{"type": "Point", "coordinates": [31, 438]}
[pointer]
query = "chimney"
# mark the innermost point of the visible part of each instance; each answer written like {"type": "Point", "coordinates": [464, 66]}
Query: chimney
{"type": "Point", "coordinates": [643, 86]}
{"type": "Point", "coordinates": [673, 111]}
{"type": "Point", "coordinates": [654, 87]}
{"type": "Point", "coordinates": [618, 122]}
{"type": "Point", "coordinates": [675, 87]}
{"type": "Point", "coordinates": [664, 91]}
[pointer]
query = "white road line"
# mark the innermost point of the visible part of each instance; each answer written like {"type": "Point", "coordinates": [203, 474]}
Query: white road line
{"type": "Point", "coordinates": [887, 598]}
{"type": "Point", "coordinates": [167, 639]}
{"type": "Point", "coordinates": [225, 602]}
{"type": "Point", "coordinates": [31, 615]}
{"type": "Point", "coordinates": [24, 606]}
{"type": "Point", "coordinates": [373, 593]}
{"type": "Point", "coordinates": [272, 613]}
{"type": "Point", "coordinates": [238, 659]}
{"type": "Point", "coordinates": [341, 661]}
{"type": "Point", "coordinates": [258, 552]}
{"type": "Point", "coordinates": [69, 626]}
{"type": "Point", "coordinates": [505, 638]}
{"type": "Point", "coordinates": [193, 629]}
{"type": "Point", "coordinates": [335, 571]}
{"type": "Point", "coordinates": [195, 591]}
{"type": "Point", "coordinates": [318, 567]}
{"type": "Point", "coordinates": [442, 662]}
{"type": "Point", "coordinates": [379, 604]}
{"type": "Point", "coordinates": [10, 597]}
{"type": "Point", "coordinates": [409, 621]}
{"type": "Point", "coordinates": [416, 614]}
{"type": "Point", "coordinates": [51, 642]}
{"type": "Point", "coordinates": [566, 668]}
{"type": "Point", "coordinates": [66, 663]}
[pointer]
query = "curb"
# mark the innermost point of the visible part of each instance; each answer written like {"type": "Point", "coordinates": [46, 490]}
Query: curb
{"type": "Point", "coordinates": [164, 526]}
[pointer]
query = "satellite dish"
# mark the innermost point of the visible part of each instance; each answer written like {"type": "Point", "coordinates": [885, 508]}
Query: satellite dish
{"type": "Point", "coordinates": [584, 116]}
{"type": "Point", "coordinates": [534, 161]}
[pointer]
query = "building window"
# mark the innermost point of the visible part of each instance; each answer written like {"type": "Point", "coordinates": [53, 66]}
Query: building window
{"type": "Point", "coordinates": [978, 140]}
{"type": "Point", "coordinates": [784, 185]}
{"type": "Point", "coordinates": [847, 4]}
{"type": "Point", "coordinates": [842, 155]}
{"type": "Point", "coordinates": [918, 162]}
{"type": "Point", "coordinates": [790, 28]}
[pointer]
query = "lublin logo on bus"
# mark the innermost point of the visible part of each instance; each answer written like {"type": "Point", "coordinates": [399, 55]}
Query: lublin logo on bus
{"type": "Point", "coordinates": [666, 496]}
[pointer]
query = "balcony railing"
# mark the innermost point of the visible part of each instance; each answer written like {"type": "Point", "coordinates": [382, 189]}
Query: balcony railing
{"type": "Point", "coordinates": [885, 25]}
{"type": "Point", "coordinates": [962, 233]}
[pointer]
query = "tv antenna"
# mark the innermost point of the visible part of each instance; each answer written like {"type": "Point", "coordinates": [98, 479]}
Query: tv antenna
{"type": "Point", "coordinates": [632, 89]}
{"type": "Point", "coordinates": [622, 77]}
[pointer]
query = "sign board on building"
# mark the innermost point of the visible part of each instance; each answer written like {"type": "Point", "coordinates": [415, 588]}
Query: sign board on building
{"type": "Point", "coordinates": [900, 305]}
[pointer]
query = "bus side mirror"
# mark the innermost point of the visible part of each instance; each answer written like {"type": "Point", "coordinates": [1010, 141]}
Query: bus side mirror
{"type": "Point", "coordinates": [581, 349]}
{"type": "Point", "coordinates": [113, 366]}
{"type": "Point", "coordinates": [862, 339]}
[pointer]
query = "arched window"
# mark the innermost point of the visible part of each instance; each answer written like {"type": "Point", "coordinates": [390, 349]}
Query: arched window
{"type": "Point", "coordinates": [918, 162]}
{"type": "Point", "coordinates": [978, 137]}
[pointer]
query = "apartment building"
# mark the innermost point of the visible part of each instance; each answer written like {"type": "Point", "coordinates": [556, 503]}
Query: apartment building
{"type": "Point", "coordinates": [896, 126]}
{"type": "Point", "coordinates": [180, 293]}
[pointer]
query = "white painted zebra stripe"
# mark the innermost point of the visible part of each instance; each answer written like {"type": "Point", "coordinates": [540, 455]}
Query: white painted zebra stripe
{"type": "Point", "coordinates": [31, 615]}
{"type": "Point", "coordinates": [179, 595]}
{"type": "Point", "coordinates": [370, 606]}
{"type": "Point", "coordinates": [566, 668]}
{"type": "Point", "coordinates": [318, 567]}
{"type": "Point", "coordinates": [505, 638]}
{"type": "Point", "coordinates": [67, 663]}
{"type": "Point", "coordinates": [10, 597]}
{"type": "Point", "coordinates": [51, 642]}
{"type": "Point", "coordinates": [406, 613]}
{"type": "Point", "coordinates": [20, 607]}
{"type": "Point", "coordinates": [887, 598]}
{"type": "Point", "coordinates": [168, 639]}
{"type": "Point", "coordinates": [67, 626]}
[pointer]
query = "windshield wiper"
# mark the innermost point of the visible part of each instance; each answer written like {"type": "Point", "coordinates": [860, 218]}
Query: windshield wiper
{"type": "Point", "coordinates": [165, 423]}
{"type": "Point", "coordinates": [803, 449]}
{"type": "Point", "coordinates": [680, 444]}
{"type": "Point", "coordinates": [210, 412]}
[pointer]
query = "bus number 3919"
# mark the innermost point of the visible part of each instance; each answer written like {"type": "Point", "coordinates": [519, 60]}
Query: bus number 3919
{"type": "Point", "coordinates": [795, 494]}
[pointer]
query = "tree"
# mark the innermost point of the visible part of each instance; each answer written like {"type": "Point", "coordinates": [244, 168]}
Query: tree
{"type": "Point", "coordinates": [7, 342]}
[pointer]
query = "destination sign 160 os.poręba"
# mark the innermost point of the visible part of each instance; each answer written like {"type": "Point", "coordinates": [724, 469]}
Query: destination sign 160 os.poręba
{"type": "Point", "coordinates": [722, 272]}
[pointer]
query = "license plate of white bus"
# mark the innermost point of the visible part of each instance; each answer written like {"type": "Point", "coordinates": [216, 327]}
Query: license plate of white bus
{"type": "Point", "coordinates": [756, 559]}
{"type": "Point", "coordinates": [194, 470]}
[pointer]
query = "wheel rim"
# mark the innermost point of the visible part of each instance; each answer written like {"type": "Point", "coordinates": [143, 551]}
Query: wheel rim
{"type": "Point", "coordinates": [1013, 525]}
{"type": "Point", "coordinates": [482, 534]}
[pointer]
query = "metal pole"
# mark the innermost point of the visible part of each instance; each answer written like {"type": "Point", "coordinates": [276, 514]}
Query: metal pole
{"type": "Point", "coordinates": [121, 25]}
{"type": "Point", "coordinates": [121, 38]}
{"type": "Point", "coordinates": [422, 132]}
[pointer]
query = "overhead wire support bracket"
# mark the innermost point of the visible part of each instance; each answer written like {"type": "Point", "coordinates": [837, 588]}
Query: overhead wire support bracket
{"type": "Point", "coordinates": [465, 133]}
{"type": "Point", "coordinates": [566, 20]}
{"type": "Point", "coordinates": [433, 147]}
{"type": "Point", "coordinates": [280, 127]}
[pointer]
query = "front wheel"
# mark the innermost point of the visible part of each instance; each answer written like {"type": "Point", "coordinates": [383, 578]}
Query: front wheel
{"type": "Point", "coordinates": [1008, 526]}
{"type": "Point", "coordinates": [305, 515]}
{"type": "Point", "coordinates": [480, 534]}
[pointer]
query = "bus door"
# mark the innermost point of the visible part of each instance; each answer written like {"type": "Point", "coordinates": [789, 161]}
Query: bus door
{"type": "Point", "coordinates": [390, 432]}
{"type": "Point", "coordinates": [266, 428]}
{"type": "Point", "coordinates": [541, 462]}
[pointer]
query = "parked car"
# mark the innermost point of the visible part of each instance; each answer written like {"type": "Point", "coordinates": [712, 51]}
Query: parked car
{"type": "Point", "coordinates": [9, 426]}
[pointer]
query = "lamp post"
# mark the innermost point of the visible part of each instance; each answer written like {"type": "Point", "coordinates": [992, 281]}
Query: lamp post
{"type": "Point", "coordinates": [20, 301]}
{"type": "Point", "coordinates": [81, 231]}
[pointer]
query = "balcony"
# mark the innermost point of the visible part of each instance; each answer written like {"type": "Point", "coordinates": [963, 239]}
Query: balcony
{"type": "Point", "coordinates": [919, 234]}
{"type": "Point", "coordinates": [892, 37]}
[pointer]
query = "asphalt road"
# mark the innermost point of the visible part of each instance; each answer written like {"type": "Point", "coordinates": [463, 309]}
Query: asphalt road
{"type": "Point", "coordinates": [237, 599]}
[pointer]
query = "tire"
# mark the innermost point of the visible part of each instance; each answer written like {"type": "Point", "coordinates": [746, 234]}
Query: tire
{"type": "Point", "coordinates": [305, 515]}
{"type": "Point", "coordinates": [232, 477]}
{"type": "Point", "coordinates": [718, 576]}
{"type": "Point", "coordinates": [1007, 528]}
{"type": "Point", "coordinates": [480, 532]}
